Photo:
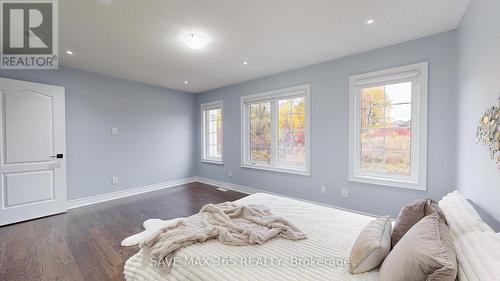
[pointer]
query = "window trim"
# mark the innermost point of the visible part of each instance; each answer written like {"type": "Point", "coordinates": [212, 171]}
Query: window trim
{"type": "Point", "coordinates": [418, 178]}
{"type": "Point", "coordinates": [300, 90]}
{"type": "Point", "coordinates": [205, 107]}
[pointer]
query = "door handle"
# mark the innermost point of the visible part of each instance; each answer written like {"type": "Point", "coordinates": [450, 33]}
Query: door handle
{"type": "Point", "coordinates": [58, 156]}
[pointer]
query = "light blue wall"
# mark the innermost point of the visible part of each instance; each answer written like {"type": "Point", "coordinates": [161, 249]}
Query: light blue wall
{"type": "Point", "coordinates": [156, 130]}
{"type": "Point", "coordinates": [478, 178]}
{"type": "Point", "coordinates": [159, 128]}
{"type": "Point", "coordinates": [329, 127]}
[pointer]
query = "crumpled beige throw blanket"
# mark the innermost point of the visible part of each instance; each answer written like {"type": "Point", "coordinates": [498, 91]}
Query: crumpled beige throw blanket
{"type": "Point", "coordinates": [228, 222]}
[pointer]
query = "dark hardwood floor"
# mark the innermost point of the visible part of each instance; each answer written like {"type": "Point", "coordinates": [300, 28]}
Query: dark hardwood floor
{"type": "Point", "coordinates": [84, 244]}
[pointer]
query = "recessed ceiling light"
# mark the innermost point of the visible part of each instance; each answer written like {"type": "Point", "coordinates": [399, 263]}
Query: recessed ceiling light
{"type": "Point", "coordinates": [186, 82]}
{"type": "Point", "coordinates": [371, 21]}
{"type": "Point", "coordinates": [69, 52]}
{"type": "Point", "coordinates": [195, 40]}
{"type": "Point", "coordinates": [245, 62]}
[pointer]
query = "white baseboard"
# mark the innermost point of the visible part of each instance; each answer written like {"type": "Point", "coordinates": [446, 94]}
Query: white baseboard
{"type": "Point", "coordinates": [252, 190]}
{"type": "Point", "coordinates": [77, 203]}
{"type": "Point", "coordinates": [230, 186]}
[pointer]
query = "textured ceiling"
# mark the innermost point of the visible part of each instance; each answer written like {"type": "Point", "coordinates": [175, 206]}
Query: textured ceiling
{"type": "Point", "coordinates": [139, 40]}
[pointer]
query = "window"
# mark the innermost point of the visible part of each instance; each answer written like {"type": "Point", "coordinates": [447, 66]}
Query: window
{"type": "Point", "coordinates": [275, 130]}
{"type": "Point", "coordinates": [388, 127]}
{"type": "Point", "coordinates": [211, 132]}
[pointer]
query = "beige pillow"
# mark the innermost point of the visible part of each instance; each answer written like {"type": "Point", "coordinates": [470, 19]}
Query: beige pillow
{"type": "Point", "coordinates": [410, 215]}
{"type": "Point", "coordinates": [426, 252]}
{"type": "Point", "coordinates": [372, 245]}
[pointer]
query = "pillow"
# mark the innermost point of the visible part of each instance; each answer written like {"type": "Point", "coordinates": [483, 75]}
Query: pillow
{"type": "Point", "coordinates": [410, 215]}
{"type": "Point", "coordinates": [426, 252]}
{"type": "Point", "coordinates": [458, 201]}
{"type": "Point", "coordinates": [461, 216]}
{"type": "Point", "coordinates": [151, 226]}
{"type": "Point", "coordinates": [372, 245]}
{"type": "Point", "coordinates": [478, 255]}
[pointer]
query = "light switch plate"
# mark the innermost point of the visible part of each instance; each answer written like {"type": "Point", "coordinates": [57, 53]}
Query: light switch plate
{"type": "Point", "coordinates": [114, 180]}
{"type": "Point", "coordinates": [323, 189]}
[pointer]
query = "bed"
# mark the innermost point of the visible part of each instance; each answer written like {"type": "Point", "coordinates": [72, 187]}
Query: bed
{"type": "Point", "coordinates": [324, 255]}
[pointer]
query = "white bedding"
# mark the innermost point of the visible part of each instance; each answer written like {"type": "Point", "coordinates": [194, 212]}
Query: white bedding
{"type": "Point", "coordinates": [331, 234]}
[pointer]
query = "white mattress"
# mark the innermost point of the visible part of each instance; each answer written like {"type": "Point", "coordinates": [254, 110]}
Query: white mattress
{"type": "Point", "coordinates": [331, 234]}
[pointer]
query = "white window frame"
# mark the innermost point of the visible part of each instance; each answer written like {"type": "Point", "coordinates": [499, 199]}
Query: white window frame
{"type": "Point", "coordinates": [205, 107]}
{"type": "Point", "coordinates": [301, 90]}
{"type": "Point", "coordinates": [417, 73]}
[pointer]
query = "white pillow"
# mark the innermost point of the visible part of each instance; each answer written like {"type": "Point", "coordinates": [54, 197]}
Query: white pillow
{"type": "Point", "coordinates": [468, 229]}
{"type": "Point", "coordinates": [150, 227]}
{"type": "Point", "coordinates": [372, 246]}
{"type": "Point", "coordinates": [461, 215]}
{"type": "Point", "coordinates": [478, 255]}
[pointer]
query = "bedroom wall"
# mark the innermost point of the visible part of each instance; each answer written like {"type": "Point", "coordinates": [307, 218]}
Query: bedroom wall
{"type": "Point", "coordinates": [478, 178]}
{"type": "Point", "coordinates": [156, 130]}
{"type": "Point", "coordinates": [329, 128]}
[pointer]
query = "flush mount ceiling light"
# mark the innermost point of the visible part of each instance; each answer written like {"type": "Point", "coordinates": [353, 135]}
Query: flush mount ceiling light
{"type": "Point", "coordinates": [195, 40]}
{"type": "Point", "coordinates": [69, 52]}
{"type": "Point", "coordinates": [370, 21]}
{"type": "Point", "coordinates": [245, 62]}
{"type": "Point", "coordinates": [186, 82]}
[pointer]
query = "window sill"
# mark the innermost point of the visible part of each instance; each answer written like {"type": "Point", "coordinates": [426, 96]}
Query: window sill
{"type": "Point", "coordinates": [390, 182]}
{"type": "Point", "coordinates": [210, 161]}
{"type": "Point", "coordinates": [277, 169]}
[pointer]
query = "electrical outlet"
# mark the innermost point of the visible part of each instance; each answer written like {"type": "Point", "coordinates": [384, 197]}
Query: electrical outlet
{"type": "Point", "coordinates": [323, 189]}
{"type": "Point", "coordinates": [345, 193]}
{"type": "Point", "coordinates": [114, 180]}
{"type": "Point", "coordinates": [115, 131]}
{"type": "Point", "coordinates": [230, 173]}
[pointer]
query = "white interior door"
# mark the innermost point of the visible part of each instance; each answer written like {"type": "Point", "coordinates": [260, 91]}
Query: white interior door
{"type": "Point", "coordinates": [32, 142]}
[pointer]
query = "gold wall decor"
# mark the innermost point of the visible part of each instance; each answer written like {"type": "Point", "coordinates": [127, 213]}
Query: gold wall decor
{"type": "Point", "coordinates": [488, 131]}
